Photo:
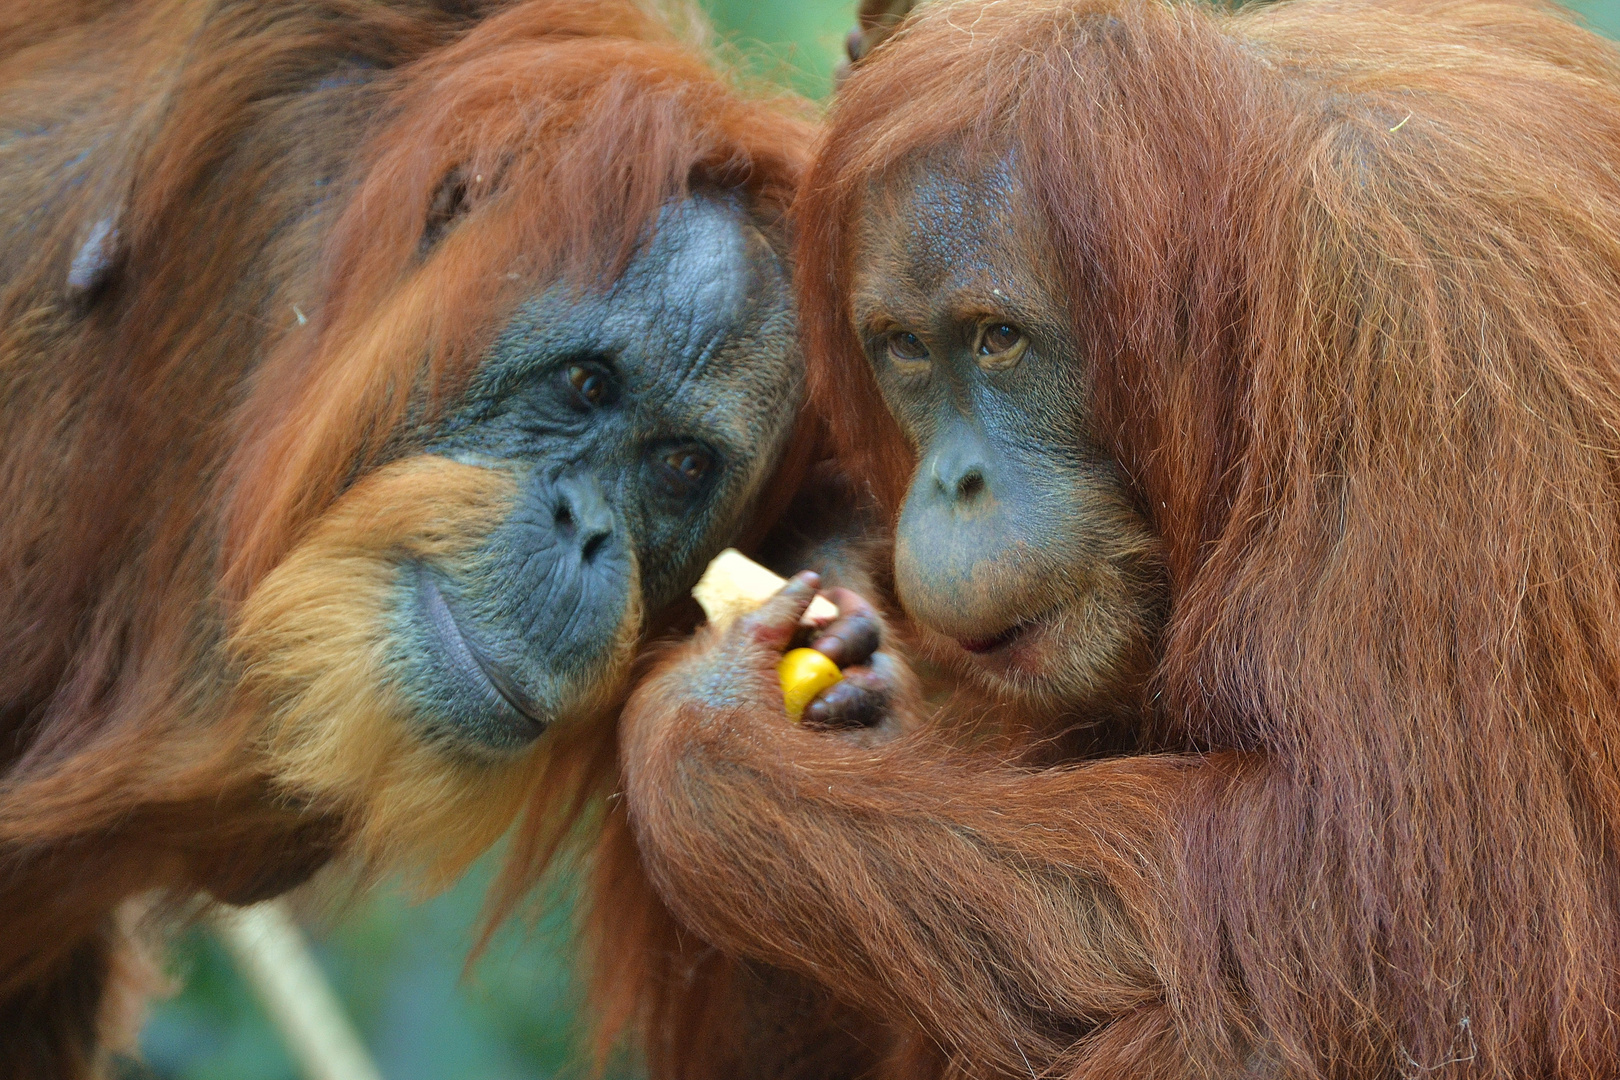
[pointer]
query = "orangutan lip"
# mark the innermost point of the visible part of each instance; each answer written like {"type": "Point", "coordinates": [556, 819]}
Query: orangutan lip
{"type": "Point", "coordinates": [467, 656]}
{"type": "Point", "coordinates": [1000, 641]}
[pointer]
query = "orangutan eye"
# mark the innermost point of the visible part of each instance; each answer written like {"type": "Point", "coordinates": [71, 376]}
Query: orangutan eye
{"type": "Point", "coordinates": [1000, 345]}
{"type": "Point", "coordinates": [908, 352]}
{"type": "Point", "coordinates": [685, 467]}
{"type": "Point", "coordinates": [999, 338]}
{"type": "Point", "coordinates": [907, 346]}
{"type": "Point", "coordinates": [593, 385]}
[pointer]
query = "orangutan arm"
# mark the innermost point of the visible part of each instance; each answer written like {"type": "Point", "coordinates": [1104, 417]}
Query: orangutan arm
{"type": "Point", "coordinates": [1006, 909]}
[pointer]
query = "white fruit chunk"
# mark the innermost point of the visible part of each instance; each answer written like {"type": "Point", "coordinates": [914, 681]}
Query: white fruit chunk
{"type": "Point", "coordinates": [734, 585]}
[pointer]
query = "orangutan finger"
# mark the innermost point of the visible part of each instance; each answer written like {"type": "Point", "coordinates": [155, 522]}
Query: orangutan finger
{"type": "Point", "coordinates": [777, 620]}
{"type": "Point", "coordinates": [852, 703]}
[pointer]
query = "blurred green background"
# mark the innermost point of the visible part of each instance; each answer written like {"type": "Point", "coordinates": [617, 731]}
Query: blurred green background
{"type": "Point", "coordinates": [397, 965]}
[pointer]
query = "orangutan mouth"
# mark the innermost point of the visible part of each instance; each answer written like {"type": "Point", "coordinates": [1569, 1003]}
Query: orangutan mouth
{"type": "Point", "coordinates": [979, 646]}
{"type": "Point", "coordinates": [466, 655]}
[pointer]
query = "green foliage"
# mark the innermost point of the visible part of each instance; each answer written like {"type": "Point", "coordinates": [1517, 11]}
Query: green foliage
{"type": "Point", "coordinates": [397, 966]}
{"type": "Point", "coordinates": [796, 45]}
{"type": "Point", "coordinates": [1601, 15]}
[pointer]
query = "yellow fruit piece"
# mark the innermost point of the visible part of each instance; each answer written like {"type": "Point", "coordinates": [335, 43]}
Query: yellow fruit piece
{"type": "Point", "coordinates": [804, 674]}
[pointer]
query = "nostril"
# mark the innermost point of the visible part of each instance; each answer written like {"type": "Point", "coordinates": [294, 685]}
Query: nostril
{"type": "Point", "coordinates": [594, 543]}
{"type": "Point", "coordinates": [969, 487]}
{"type": "Point", "coordinates": [582, 518]}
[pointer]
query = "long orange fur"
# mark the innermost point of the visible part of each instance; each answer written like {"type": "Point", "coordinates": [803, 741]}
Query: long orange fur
{"type": "Point", "coordinates": [1348, 280]}
{"type": "Point", "coordinates": [207, 466]}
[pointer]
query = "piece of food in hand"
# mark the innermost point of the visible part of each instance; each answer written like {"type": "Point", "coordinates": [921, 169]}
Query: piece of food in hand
{"type": "Point", "coordinates": [735, 585]}
{"type": "Point", "coordinates": [804, 674]}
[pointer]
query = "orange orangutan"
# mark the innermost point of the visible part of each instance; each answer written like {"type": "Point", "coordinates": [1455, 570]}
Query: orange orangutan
{"type": "Point", "coordinates": [374, 376]}
{"type": "Point", "coordinates": [1246, 389]}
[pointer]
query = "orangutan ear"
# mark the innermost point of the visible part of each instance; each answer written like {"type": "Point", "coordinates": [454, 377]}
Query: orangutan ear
{"type": "Point", "coordinates": [462, 188]}
{"type": "Point", "coordinates": [96, 256]}
{"type": "Point", "coordinates": [875, 21]}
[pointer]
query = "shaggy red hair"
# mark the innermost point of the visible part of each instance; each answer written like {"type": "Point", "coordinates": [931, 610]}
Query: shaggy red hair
{"type": "Point", "coordinates": [262, 334]}
{"type": "Point", "coordinates": [586, 120]}
{"type": "Point", "coordinates": [1348, 283]}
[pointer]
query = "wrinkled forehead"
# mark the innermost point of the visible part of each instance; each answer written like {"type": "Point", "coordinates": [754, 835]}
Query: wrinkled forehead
{"type": "Point", "coordinates": [699, 325]}
{"type": "Point", "coordinates": [705, 287]}
{"type": "Point", "coordinates": [712, 289]}
{"type": "Point", "coordinates": [705, 283]}
{"type": "Point", "coordinates": [946, 222]}
{"type": "Point", "coordinates": [701, 258]}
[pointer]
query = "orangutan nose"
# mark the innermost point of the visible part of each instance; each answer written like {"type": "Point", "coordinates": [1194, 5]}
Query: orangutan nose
{"type": "Point", "coordinates": [582, 516]}
{"type": "Point", "coordinates": [960, 473]}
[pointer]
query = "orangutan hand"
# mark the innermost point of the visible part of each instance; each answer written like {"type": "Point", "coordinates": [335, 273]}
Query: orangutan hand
{"type": "Point", "coordinates": [873, 679]}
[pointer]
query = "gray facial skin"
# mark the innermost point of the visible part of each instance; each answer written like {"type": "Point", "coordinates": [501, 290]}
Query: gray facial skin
{"type": "Point", "coordinates": [639, 423]}
{"type": "Point", "coordinates": [1018, 545]}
